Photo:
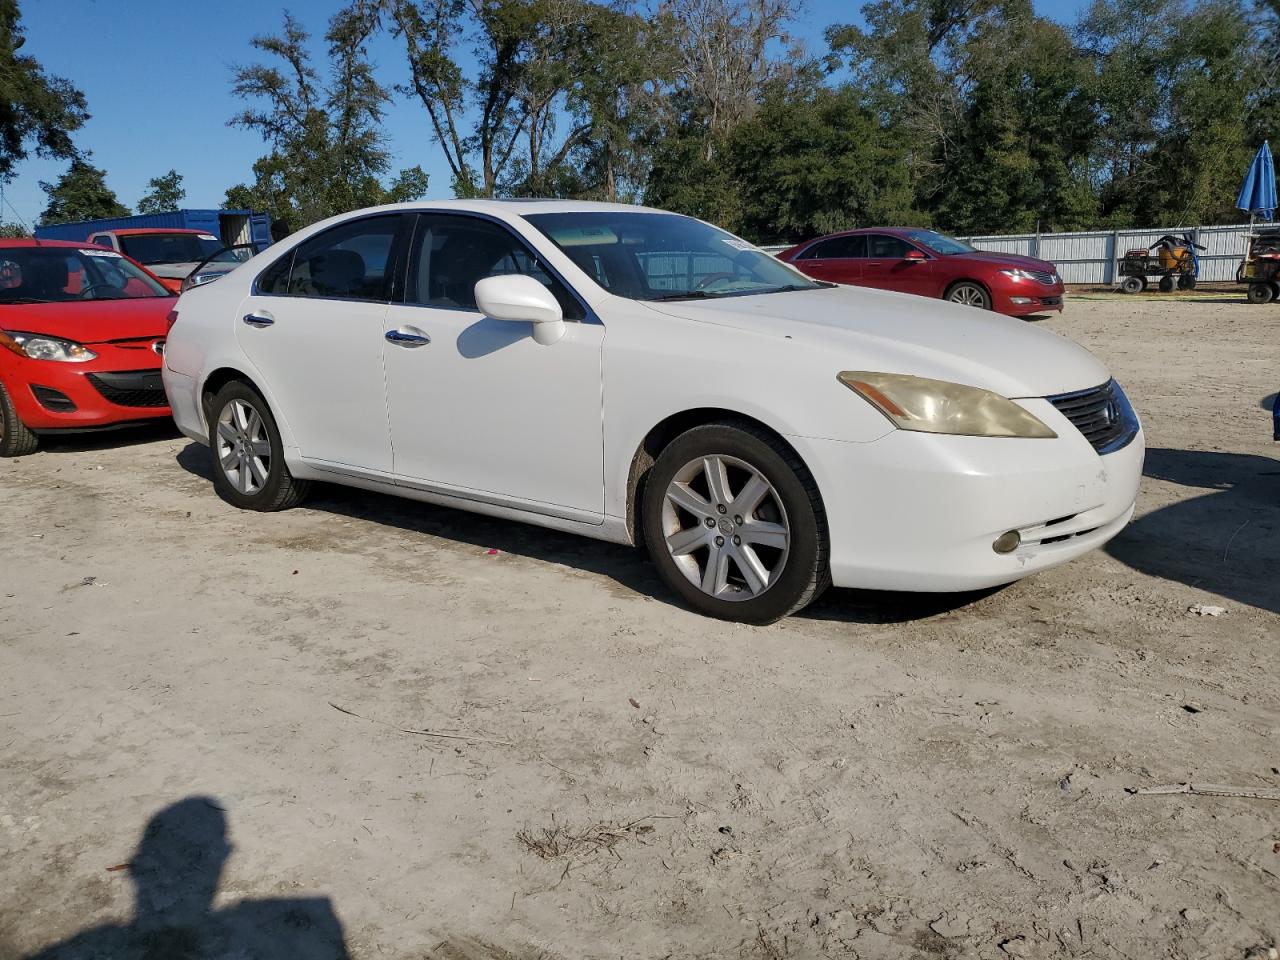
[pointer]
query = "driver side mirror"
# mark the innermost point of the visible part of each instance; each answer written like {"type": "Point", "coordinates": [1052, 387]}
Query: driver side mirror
{"type": "Point", "coordinates": [520, 298]}
{"type": "Point", "coordinates": [914, 256]}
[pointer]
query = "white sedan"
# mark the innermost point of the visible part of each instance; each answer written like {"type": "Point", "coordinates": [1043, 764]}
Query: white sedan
{"type": "Point", "coordinates": [643, 377]}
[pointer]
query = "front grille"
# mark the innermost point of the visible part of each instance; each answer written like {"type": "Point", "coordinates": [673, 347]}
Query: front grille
{"type": "Point", "coordinates": [1042, 277]}
{"type": "Point", "coordinates": [1051, 301]}
{"type": "Point", "coordinates": [52, 399]}
{"type": "Point", "coordinates": [1103, 414]}
{"type": "Point", "coordinates": [131, 388]}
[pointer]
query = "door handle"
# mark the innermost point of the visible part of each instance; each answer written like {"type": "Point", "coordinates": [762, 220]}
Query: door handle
{"type": "Point", "coordinates": [258, 320]}
{"type": "Point", "coordinates": [404, 338]}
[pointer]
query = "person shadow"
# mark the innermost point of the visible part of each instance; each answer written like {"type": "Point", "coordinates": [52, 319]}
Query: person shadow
{"type": "Point", "coordinates": [175, 873]}
{"type": "Point", "coordinates": [1226, 541]}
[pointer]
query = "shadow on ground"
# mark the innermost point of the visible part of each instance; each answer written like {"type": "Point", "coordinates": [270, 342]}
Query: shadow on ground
{"type": "Point", "coordinates": [624, 565]}
{"type": "Point", "coordinates": [1226, 541]}
{"type": "Point", "coordinates": [175, 873]}
{"type": "Point", "coordinates": [129, 436]}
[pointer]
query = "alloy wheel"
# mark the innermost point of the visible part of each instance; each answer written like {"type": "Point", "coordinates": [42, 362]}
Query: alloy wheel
{"type": "Point", "coordinates": [969, 295]}
{"type": "Point", "coordinates": [243, 447]}
{"type": "Point", "coordinates": [725, 527]}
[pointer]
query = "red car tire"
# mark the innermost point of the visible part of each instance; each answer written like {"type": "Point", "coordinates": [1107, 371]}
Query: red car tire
{"type": "Point", "coordinates": [16, 438]}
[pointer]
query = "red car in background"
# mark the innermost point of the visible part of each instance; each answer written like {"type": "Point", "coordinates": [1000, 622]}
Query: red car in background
{"type": "Point", "coordinates": [931, 265]}
{"type": "Point", "coordinates": [81, 335]}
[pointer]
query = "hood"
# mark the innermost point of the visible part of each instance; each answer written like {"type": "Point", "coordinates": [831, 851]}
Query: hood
{"type": "Point", "coordinates": [865, 329]}
{"type": "Point", "coordinates": [91, 321]}
{"type": "Point", "coordinates": [1007, 260]}
{"type": "Point", "coordinates": [172, 271]}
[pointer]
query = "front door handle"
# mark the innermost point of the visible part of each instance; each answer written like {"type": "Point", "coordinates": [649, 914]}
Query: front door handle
{"type": "Point", "coordinates": [410, 337]}
{"type": "Point", "coordinates": [259, 319]}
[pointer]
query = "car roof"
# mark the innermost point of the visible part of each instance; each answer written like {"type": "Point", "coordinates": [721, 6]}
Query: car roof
{"type": "Point", "coordinates": [37, 242]}
{"type": "Point", "coordinates": [519, 206]}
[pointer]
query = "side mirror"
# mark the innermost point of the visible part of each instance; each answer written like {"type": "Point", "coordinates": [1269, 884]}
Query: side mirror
{"type": "Point", "coordinates": [514, 296]}
{"type": "Point", "coordinates": [914, 256]}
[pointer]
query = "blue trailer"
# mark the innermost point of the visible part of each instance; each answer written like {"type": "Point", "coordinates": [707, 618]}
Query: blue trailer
{"type": "Point", "coordinates": [229, 226]}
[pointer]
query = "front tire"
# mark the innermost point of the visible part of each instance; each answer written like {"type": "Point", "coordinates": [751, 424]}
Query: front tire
{"type": "Point", "coordinates": [970, 295]}
{"type": "Point", "coordinates": [1260, 293]}
{"type": "Point", "coordinates": [16, 438]}
{"type": "Point", "coordinates": [1133, 284]}
{"type": "Point", "coordinates": [249, 471]}
{"type": "Point", "coordinates": [1166, 284]}
{"type": "Point", "coordinates": [735, 524]}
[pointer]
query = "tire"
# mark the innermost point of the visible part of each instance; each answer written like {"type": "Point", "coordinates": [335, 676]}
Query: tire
{"type": "Point", "coordinates": [1260, 293]}
{"type": "Point", "coordinates": [969, 294]}
{"type": "Point", "coordinates": [16, 438]}
{"type": "Point", "coordinates": [773, 560]}
{"type": "Point", "coordinates": [1133, 284]}
{"type": "Point", "coordinates": [1186, 282]}
{"type": "Point", "coordinates": [242, 432]}
{"type": "Point", "coordinates": [1166, 284]}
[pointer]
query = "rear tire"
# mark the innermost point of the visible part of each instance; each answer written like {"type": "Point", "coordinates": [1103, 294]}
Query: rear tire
{"type": "Point", "coordinates": [1133, 284]}
{"type": "Point", "coordinates": [734, 522]}
{"type": "Point", "coordinates": [249, 471]}
{"type": "Point", "coordinates": [1260, 293]}
{"type": "Point", "coordinates": [1186, 282]}
{"type": "Point", "coordinates": [1166, 284]}
{"type": "Point", "coordinates": [16, 438]}
{"type": "Point", "coordinates": [970, 295]}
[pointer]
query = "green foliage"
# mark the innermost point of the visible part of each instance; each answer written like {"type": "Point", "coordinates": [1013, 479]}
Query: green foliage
{"type": "Point", "coordinates": [13, 231]}
{"type": "Point", "coordinates": [81, 194]}
{"type": "Point", "coordinates": [37, 112]}
{"type": "Point", "coordinates": [328, 152]}
{"type": "Point", "coordinates": [164, 193]}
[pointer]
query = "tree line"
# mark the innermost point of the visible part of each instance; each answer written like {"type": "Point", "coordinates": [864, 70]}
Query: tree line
{"type": "Point", "coordinates": [970, 116]}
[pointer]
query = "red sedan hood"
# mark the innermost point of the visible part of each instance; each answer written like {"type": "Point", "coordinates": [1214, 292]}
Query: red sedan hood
{"type": "Point", "coordinates": [1008, 260]}
{"type": "Point", "coordinates": [90, 321]}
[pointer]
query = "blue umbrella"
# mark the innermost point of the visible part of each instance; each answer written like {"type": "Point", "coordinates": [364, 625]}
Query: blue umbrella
{"type": "Point", "coordinates": [1258, 193]}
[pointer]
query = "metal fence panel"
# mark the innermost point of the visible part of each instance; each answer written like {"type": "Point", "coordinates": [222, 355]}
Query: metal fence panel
{"type": "Point", "coordinates": [1090, 256]}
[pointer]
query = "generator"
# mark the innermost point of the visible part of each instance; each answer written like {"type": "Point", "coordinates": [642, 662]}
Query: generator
{"type": "Point", "coordinates": [1171, 258]}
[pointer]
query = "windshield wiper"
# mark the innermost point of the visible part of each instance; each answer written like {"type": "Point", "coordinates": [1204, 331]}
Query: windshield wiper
{"type": "Point", "coordinates": [687, 295]}
{"type": "Point", "coordinates": [25, 300]}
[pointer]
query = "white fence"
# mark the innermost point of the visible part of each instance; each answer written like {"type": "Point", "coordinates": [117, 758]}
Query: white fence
{"type": "Point", "coordinates": [1090, 257]}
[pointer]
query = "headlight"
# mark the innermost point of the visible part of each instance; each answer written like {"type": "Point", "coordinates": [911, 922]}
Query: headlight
{"type": "Point", "coordinates": [39, 347]}
{"type": "Point", "coordinates": [1019, 274]}
{"type": "Point", "coordinates": [199, 280]}
{"type": "Point", "coordinates": [936, 406]}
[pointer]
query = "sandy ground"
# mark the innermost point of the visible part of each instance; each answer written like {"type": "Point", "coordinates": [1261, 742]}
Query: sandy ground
{"type": "Point", "coordinates": [883, 776]}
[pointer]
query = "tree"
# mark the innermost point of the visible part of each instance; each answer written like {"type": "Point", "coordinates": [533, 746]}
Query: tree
{"type": "Point", "coordinates": [37, 111]}
{"type": "Point", "coordinates": [164, 193]}
{"type": "Point", "coordinates": [81, 194]}
{"type": "Point", "coordinates": [328, 153]}
{"type": "Point", "coordinates": [13, 231]}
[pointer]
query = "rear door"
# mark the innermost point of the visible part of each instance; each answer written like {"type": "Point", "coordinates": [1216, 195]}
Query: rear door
{"type": "Point", "coordinates": [837, 259]}
{"type": "Point", "coordinates": [314, 330]}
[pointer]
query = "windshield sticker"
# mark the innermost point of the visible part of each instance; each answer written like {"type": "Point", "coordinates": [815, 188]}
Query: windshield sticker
{"type": "Point", "coordinates": [738, 244]}
{"type": "Point", "coordinates": [99, 252]}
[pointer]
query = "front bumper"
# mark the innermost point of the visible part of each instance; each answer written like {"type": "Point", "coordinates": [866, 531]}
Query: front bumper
{"type": "Point", "coordinates": [1027, 297]}
{"type": "Point", "coordinates": [121, 386]}
{"type": "Point", "coordinates": [914, 511]}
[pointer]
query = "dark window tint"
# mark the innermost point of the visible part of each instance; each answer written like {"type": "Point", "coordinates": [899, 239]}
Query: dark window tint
{"type": "Point", "coordinates": [451, 254]}
{"type": "Point", "coordinates": [837, 248]}
{"type": "Point", "coordinates": [157, 248]}
{"type": "Point", "coordinates": [346, 262]}
{"type": "Point", "coordinates": [884, 247]}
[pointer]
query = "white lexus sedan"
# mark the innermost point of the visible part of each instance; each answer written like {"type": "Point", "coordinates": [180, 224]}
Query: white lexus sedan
{"type": "Point", "coordinates": [643, 377]}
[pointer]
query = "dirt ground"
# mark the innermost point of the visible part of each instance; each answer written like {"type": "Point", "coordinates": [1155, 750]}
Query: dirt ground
{"type": "Point", "coordinates": [883, 776]}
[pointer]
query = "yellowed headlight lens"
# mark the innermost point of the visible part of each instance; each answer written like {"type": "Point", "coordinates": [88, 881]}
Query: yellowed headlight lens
{"type": "Point", "coordinates": [937, 406]}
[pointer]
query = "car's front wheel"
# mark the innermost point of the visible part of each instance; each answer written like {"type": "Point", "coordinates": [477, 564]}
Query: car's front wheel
{"type": "Point", "coordinates": [16, 438]}
{"type": "Point", "coordinates": [971, 295]}
{"type": "Point", "coordinates": [735, 524]}
{"type": "Point", "coordinates": [248, 456]}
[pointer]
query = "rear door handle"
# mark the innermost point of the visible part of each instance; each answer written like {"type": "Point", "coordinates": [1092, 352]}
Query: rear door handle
{"type": "Point", "coordinates": [408, 337]}
{"type": "Point", "coordinates": [259, 319]}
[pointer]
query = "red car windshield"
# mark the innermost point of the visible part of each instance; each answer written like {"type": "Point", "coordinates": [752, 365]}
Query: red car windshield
{"type": "Point", "coordinates": [939, 244]}
{"type": "Point", "coordinates": [152, 248]}
{"type": "Point", "coordinates": [64, 274]}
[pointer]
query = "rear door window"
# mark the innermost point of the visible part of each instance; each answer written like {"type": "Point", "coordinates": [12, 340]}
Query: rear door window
{"type": "Point", "coordinates": [838, 248]}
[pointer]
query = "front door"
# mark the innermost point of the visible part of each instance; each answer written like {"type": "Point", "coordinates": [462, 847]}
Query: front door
{"type": "Point", "coordinates": [886, 266]}
{"type": "Point", "coordinates": [477, 408]}
{"type": "Point", "coordinates": [314, 331]}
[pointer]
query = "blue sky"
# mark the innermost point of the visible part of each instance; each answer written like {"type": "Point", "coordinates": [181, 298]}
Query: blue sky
{"type": "Point", "coordinates": [157, 77]}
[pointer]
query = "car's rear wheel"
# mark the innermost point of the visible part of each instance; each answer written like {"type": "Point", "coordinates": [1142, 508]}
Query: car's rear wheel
{"type": "Point", "coordinates": [735, 524]}
{"type": "Point", "coordinates": [1260, 293]}
{"type": "Point", "coordinates": [248, 456]}
{"type": "Point", "coordinates": [16, 438]}
{"type": "Point", "coordinates": [969, 294]}
{"type": "Point", "coordinates": [1133, 284]}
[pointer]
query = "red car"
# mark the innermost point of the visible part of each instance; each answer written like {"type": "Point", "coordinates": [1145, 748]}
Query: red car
{"type": "Point", "coordinates": [81, 333]}
{"type": "Point", "coordinates": [931, 265]}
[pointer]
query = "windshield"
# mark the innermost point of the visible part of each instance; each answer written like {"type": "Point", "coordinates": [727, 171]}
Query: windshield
{"type": "Point", "coordinates": [61, 274]}
{"type": "Point", "coordinates": [152, 248]}
{"type": "Point", "coordinates": [944, 246]}
{"type": "Point", "coordinates": [664, 256]}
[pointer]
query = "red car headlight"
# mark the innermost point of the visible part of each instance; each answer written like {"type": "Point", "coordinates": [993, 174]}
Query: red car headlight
{"type": "Point", "coordinates": [37, 346]}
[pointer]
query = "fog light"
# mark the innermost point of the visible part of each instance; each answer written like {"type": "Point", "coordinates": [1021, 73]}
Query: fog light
{"type": "Point", "coordinates": [1022, 300]}
{"type": "Point", "coordinates": [1007, 542]}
